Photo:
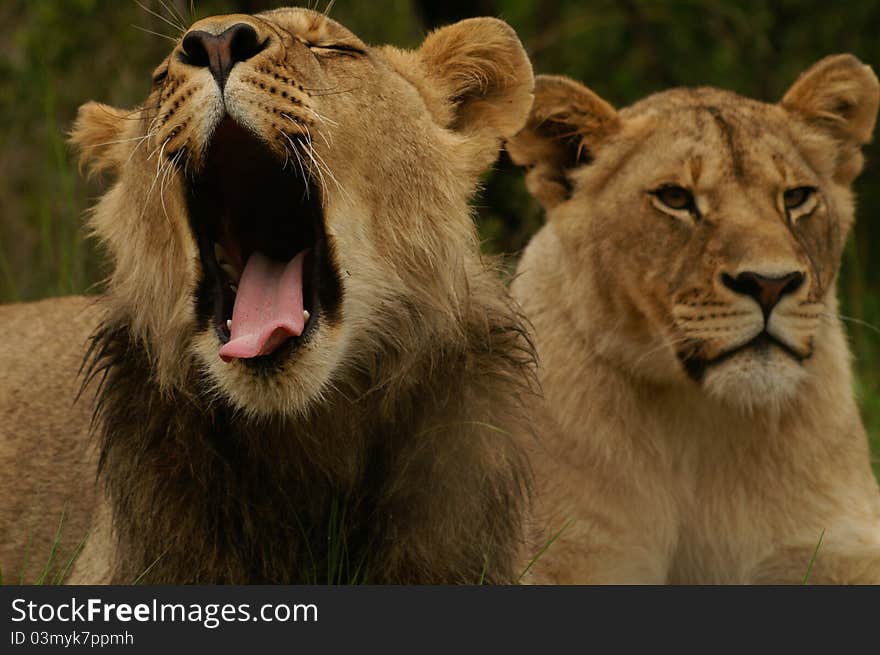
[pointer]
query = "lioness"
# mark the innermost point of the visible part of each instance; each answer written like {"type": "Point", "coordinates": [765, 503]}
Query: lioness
{"type": "Point", "coordinates": [302, 370]}
{"type": "Point", "coordinates": [684, 305]}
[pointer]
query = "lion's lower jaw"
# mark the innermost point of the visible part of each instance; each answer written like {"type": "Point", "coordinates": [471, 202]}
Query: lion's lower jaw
{"type": "Point", "coordinates": [291, 391]}
{"type": "Point", "coordinates": [752, 386]}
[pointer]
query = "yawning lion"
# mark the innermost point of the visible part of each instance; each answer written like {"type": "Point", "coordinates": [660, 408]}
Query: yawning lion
{"type": "Point", "coordinates": [302, 369]}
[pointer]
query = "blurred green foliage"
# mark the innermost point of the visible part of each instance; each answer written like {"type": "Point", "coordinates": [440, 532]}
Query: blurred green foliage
{"type": "Point", "coordinates": [60, 53]}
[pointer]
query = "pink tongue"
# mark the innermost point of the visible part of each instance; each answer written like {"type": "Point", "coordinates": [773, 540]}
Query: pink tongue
{"type": "Point", "coordinates": [268, 307]}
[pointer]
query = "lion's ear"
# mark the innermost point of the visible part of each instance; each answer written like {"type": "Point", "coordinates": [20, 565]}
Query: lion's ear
{"type": "Point", "coordinates": [483, 72]}
{"type": "Point", "coordinates": [96, 130]}
{"type": "Point", "coordinates": [839, 96]}
{"type": "Point", "coordinates": [475, 78]}
{"type": "Point", "coordinates": [568, 122]}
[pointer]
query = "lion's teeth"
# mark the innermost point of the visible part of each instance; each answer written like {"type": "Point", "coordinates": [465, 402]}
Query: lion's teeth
{"type": "Point", "coordinates": [234, 288]}
{"type": "Point", "coordinates": [306, 315]}
{"type": "Point", "coordinates": [231, 272]}
{"type": "Point", "coordinates": [220, 253]}
{"type": "Point", "coordinates": [229, 324]}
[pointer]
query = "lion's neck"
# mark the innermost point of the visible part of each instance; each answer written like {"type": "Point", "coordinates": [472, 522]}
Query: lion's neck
{"type": "Point", "coordinates": [227, 499]}
{"type": "Point", "coordinates": [199, 493]}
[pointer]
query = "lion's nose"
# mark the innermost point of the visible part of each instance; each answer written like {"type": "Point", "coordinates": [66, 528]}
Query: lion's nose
{"type": "Point", "coordinates": [220, 52]}
{"type": "Point", "coordinates": [767, 291]}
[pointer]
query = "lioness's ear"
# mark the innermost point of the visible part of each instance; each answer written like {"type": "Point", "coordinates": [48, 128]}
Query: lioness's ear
{"type": "Point", "coordinates": [566, 125]}
{"type": "Point", "coordinates": [839, 96]}
{"type": "Point", "coordinates": [96, 130]}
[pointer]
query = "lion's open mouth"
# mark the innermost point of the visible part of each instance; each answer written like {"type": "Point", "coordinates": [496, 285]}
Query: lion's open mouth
{"type": "Point", "coordinates": [267, 276]}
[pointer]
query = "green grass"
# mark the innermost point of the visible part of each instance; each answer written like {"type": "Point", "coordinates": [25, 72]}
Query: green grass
{"type": "Point", "coordinates": [544, 549]}
{"type": "Point", "coordinates": [54, 570]}
{"type": "Point", "coordinates": [813, 559]}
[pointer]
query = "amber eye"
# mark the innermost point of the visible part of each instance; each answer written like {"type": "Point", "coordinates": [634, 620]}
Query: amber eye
{"type": "Point", "coordinates": [794, 198]}
{"type": "Point", "coordinates": [675, 197]}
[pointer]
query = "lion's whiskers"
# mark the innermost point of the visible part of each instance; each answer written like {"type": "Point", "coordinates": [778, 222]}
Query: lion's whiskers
{"type": "Point", "coordinates": [159, 34]}
{"type": "Point", "coordinates": [670, 344]}
{"type": "Point", "coordinates": [317, 168]}
{"type": "Point", "coordinates": [167, 172]}
{"type": "Point", "coordinates": [178, 27]}
{"type": "Point", "coordinates": [322, 166]}
{"type": "Point", "coordinates": [142, 141]}
{"type": "Point", "coordinates": [160, 169]}
{"type": "Point", "coordinates": [321, 117]}
{"type": "Point", "coordinates": [293, 151]}
{"type": "Point", "coordinates": [174, 13]}
{"type": "Point", "coordinates": [851, 319]}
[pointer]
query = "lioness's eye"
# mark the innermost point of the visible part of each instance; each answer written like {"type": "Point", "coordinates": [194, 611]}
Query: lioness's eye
{"type": "Point", "coordinates": [675, 197]}
{"type": "Point", "coordinates": [794, 198]}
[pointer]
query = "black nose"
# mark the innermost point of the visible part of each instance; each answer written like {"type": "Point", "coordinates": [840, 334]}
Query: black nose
{"type": "Point", "coordinates": [220, 52]}
{"type": "Point", "coordinates": [767, 291]}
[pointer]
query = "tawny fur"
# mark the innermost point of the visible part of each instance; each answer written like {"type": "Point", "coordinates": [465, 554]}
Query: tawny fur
{"type": "Point", "coordinates": [657, 466]}
{"type": "Point", "coordinates": [398, 428]}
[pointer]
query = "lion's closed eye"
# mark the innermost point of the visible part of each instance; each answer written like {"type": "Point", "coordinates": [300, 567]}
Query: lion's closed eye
{"type": "Point", "coordinates": [335, 48]}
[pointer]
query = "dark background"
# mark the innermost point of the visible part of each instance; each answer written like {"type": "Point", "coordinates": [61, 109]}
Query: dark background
{"type": "Point", "coordinates": [57, 54]}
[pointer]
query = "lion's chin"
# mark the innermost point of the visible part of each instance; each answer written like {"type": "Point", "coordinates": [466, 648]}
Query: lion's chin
{"type": "Point", "coordinates": [290, 388]}
{"type": "Point", "coordinates": [755, 380]}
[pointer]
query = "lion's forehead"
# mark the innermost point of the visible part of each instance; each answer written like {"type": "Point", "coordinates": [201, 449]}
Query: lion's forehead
{"type": "Point", "coordinates": [287, 23]}
{"type": "Point", "coordinates": [308, 24]}
{"type": "Point", "coordinates": [737, 156]}
{"type": "Point", "coordinates": [713, 140]}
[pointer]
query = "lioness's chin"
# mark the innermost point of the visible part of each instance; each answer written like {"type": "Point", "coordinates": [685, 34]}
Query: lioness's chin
{"type": "Point", "coordinates": [286, 384]}
{"type": "Point", "coordinates": [754, 380]}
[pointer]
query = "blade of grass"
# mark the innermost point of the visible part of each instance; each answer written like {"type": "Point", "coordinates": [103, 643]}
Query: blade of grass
{"type": "Point", "coordinates": [59, 577]}
{"type": "Point", "coordinates": [306, 540]}
{"type": "Point", "coordinates": [27, 554]}
{"type": "Point", "coordinates": [544, 549]}
{"type": "Point", "coordinates": [138, 579]}
{"type": "Point", "coordinates": [56, 541]}
{"type": "Point", "coordinates": [485, 568]}
{"type": "Point", "coordinates": [813, 558]}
